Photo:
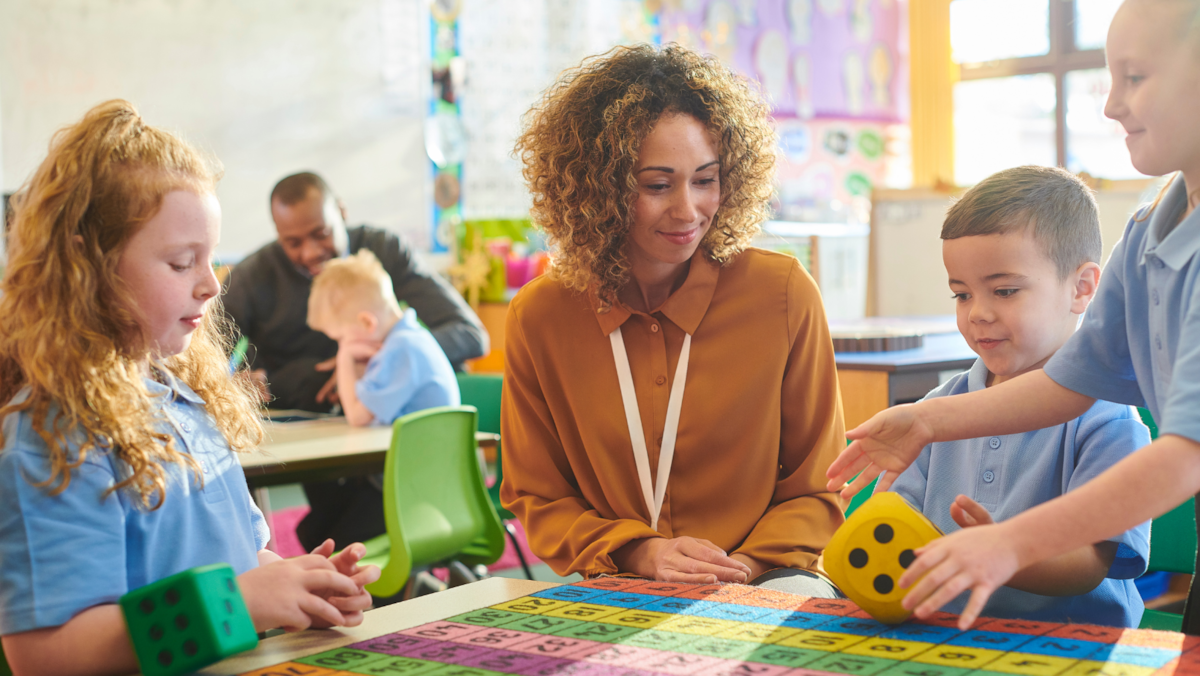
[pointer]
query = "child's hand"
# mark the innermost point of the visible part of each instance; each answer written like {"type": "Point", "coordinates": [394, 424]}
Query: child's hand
{"type": "Point", "coordinates": [979, 559]}
{"type": "Point", "coordinates": [890, 441]}
{"type": "Point", "coordinates": [359, 350]}
{"type": "Point", "coordinates": [346, 563]}
{"type": "Point", "coordinates": [328, 392]}
{"type": "Point", "coordinates": [967, 513]}
{"type": "Point", "coordinates": [292, 593]}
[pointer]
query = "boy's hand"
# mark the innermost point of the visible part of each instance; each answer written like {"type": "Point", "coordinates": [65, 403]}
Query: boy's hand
{"type": "Point", "coordinates": [890, 441]}
{"type": "Point", "coordinates": [967, 513]}
{"type": "Point", "coordinates": [292, 593]}
{"type": "Point", "coordinates": [328, 391]}
{"type": "Point", "coordinates": [360, 350]}
{"type": "Point", "coordinates": [978, 559]}
{"type": "Point", "coordinates": [346, 563]}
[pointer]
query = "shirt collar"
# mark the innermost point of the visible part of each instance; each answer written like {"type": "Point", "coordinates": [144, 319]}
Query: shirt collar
{"type": "Point", "coordinates": [1184, 240]}
{"type": "Point", "coordinates": [173, 386]}
{"type": "Point", "coordinates": [686, 307]}
{"type": "Point", "coordinates": [977, 377]}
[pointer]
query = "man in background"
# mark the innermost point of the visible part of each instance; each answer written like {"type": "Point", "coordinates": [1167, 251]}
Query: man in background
{"type": "Point", "coordinates": [266, 294]}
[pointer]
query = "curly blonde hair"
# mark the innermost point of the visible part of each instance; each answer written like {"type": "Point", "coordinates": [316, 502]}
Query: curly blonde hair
{"type": "Point", "coordinates": [580, 146]}
{"type": "Point", "coordinates": [68, 327]}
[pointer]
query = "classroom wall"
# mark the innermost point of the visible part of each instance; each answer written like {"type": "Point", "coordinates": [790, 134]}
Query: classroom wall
{"type": "Point", "coordinates": [269, 86]}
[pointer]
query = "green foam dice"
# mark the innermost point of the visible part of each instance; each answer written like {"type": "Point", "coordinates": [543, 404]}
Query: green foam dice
{"type": "Point", "coordinates": [188, 621]}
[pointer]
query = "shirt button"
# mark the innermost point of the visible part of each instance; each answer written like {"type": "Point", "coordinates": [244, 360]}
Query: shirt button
{"type": "Point", "coordinates": [1158, 342]}
{"type": "Point", "coordinates": [185, 427]}
{"type": "Point", "coordinates": [994, 442]}
{"type": "Point", "coordinates": [988, 477]}
{"type": "Point", "coordinates": [1154, 296]}
{"type": "Point", "coordinates": [660, 380]}
{"type": "Point", "coordinates": [654, 328]}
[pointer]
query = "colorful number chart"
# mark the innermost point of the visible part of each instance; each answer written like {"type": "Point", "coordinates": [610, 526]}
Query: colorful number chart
{"type": "Point", "coordinates": [628, 627]}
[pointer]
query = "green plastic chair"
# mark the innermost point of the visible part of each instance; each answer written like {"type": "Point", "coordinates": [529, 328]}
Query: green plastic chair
{"type": "Point", "coordinates": [434, 500]}
{"type": "Point", "coordinates": [1172, 547]}
{"type": "Point", "coordinates": [483, 391]}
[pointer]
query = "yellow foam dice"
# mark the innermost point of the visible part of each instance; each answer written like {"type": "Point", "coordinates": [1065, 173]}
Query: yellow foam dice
{"type": "Point", "coordinates": [869, 553]}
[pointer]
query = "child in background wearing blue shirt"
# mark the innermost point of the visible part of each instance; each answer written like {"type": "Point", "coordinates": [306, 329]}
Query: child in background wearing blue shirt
{"type": "Point", "coordinates": [1021, 250]}
{"type": "Point", "coordinates": [120, 415]}
{"type": "Point", "coordinates": [387, 365]}
{"type": "Point", "coordinates": [1139, 344]}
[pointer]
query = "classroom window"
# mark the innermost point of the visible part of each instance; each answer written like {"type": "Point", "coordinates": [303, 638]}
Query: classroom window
{"type": "Point", "coordinates": [1032, 87]}
{"type": "Point", "coordinates": [988, 30]}
{"type": "Point", "coordinates": [1002, 122]}
{"type": "Point", "coordinates": [1095, 144]}
{"type": "Point", "coordinates": [1091, 22]}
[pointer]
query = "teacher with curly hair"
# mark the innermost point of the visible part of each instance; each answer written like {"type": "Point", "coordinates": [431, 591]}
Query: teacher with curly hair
{"type": "Point", "coordinates": [670, 397]}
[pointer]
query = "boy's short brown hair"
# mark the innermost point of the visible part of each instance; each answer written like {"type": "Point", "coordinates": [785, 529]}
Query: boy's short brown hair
{"type": "Point", "coordinates": [347, 286]}
{"type": "Point", "coordinates": [1057, 207]}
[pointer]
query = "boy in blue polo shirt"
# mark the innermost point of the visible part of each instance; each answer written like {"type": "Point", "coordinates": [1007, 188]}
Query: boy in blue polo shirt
{"type": "Point", "coordinates": [387, 366]}
{"type": "Point", "coordinates": [1021, 250]}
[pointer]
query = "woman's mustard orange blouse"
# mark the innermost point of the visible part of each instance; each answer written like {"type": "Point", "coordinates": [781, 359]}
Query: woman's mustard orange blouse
{"type": "Point", "coordinates": [761, 417]}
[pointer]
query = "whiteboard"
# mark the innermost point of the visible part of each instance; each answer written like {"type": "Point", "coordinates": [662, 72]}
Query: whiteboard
{"type": "Point", "coordinates": [270, 87]}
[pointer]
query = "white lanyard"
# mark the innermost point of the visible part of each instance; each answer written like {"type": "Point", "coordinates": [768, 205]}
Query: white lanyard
{"type": "Point", "coordinates": [652, 495]}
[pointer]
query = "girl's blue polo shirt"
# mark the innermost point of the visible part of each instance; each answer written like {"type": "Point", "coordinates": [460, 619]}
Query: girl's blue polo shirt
{"type": "Point", "coordinates": [62, 554]}
{"type": "Point", "coordinates": [1139, 342]}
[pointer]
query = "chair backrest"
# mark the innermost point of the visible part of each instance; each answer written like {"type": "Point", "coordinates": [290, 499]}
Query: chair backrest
{"type": "Point", "coordinates": [482, 390]}
{"type": "Point", "coordinates": [1172, 535]}
{"type": "Point", "coordinates": [434, 500]}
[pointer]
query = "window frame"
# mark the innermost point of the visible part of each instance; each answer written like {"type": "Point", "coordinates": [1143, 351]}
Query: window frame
{"type": "Point", "coordinates": [1062, 58]}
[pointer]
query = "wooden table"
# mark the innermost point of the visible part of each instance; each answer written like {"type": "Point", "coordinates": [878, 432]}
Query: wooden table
{"type": "Point", "coordinates": [316, 450]}
{"type": "Point", "coordinates": [378, 622]}
{"type": "Point", "coordinates": [873, 381]}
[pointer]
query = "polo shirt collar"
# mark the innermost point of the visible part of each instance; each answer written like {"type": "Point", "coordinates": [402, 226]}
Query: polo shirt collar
{"type": "Point", "coordinates": [173, 386]}
{"type": "Point", "coordinates": [1184, 240]}
{"type": "Point", "coordinates": [685, 308]}
{"type": "Point", "coordinates": [977, 376]}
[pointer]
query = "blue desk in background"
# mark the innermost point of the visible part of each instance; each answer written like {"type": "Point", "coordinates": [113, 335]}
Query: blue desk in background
{"type": "Point", "coordinates": [873, 381]}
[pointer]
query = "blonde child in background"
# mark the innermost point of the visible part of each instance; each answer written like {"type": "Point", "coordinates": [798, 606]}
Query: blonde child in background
{"type": "Point", "coordinates": [1139, 344]}
{"type": "Point", "coordinates": [388, 365]}
{"type": "Point", "coordinates": [1021, 251]}
{"type": "Point", "coordinates": [120, 418]}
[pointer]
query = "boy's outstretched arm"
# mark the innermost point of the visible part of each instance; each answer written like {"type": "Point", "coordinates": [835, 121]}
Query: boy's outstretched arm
{"type": "Point", "coordinates": [1146, 484]}
{"type": "Point", "coordinates": [1078, 571]}
{"type": "Point", "coordinates": [892, 439]}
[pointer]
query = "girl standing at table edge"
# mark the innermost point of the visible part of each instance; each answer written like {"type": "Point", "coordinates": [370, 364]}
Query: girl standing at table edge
{"type": "Point", "coordinates": [670, 397]}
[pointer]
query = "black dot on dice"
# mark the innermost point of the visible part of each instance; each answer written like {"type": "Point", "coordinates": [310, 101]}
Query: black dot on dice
{"type": "Point", "coordinates": [883, 584]}
{"type": "Point", "coordinates": [228, 629]}
{"type": "Point", "coordinates": [228, 606]}
{"type": "Point", "coordinates": [884, 533]}
{"type": "Point", "coordinates": [165, 658]}
{"type": "Point", "coordinates": [190, 648]}
{"type": "Point", "coordinates": [156, 632]}
{"type": "Point", "coordinates": [172, 597]}
{"type": "Point", "coordinates": [858, 558]}
{"type": "Point", "coordinates": [181, 622]}
{"type": "Point", "coordinates": [906, 558]}
{"type": "Point", "coordinates": [146, 606]}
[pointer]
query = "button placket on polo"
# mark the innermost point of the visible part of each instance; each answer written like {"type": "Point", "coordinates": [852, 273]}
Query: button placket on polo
{"type": "Point", "coordinates": [987, 488]}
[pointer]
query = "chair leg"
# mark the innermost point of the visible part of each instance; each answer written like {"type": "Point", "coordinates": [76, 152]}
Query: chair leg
{"type": "Point", "coordinates": [512, 536]}
{"type": "Point", "coordinates": [460, 574]}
